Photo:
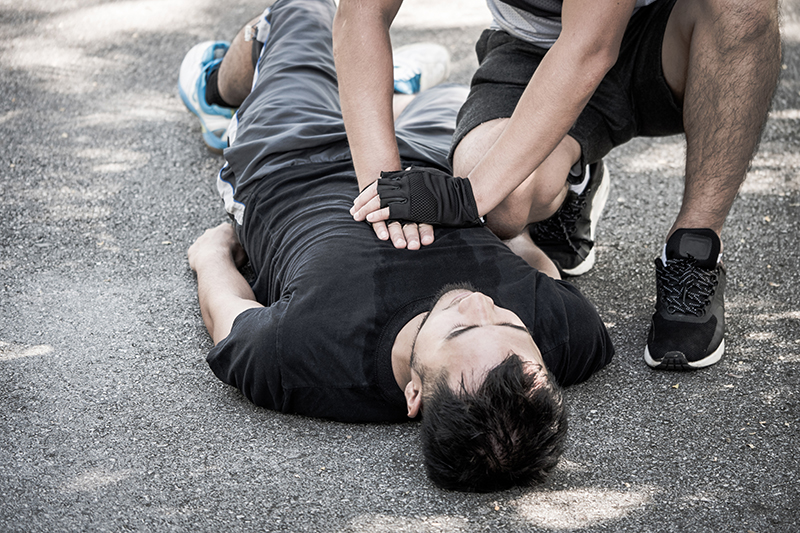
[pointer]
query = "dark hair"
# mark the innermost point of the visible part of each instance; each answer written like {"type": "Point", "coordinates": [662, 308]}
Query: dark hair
{"type": "Point", "coordinates": [511, 431]}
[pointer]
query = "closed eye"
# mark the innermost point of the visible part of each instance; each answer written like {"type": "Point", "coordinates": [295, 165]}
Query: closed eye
{"type": "Point", "coordinates": [460, 329]}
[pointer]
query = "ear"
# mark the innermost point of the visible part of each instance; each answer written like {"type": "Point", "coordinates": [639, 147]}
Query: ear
{"type": "Point", "coordinates": [413, 398]}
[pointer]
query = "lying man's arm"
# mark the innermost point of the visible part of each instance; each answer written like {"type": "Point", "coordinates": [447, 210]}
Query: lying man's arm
{"type": "Point", "coordinates": [222, 290]}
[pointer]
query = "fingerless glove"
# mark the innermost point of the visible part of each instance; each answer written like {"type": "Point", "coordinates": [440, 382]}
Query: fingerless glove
{"type": "Point", "coordinates": [428, 195]}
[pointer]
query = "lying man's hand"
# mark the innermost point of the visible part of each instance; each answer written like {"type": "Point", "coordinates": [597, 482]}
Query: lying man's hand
{"type": "Point", "coordinates": [215, 244]}
{"type": "Point", "coordinates": [423, 195]}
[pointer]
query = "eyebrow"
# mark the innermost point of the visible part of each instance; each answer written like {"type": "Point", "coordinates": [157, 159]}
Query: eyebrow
{"type": "Point", "coordinates": [419, 328]}
{"type": "Point", "coordinates": [456, 333]}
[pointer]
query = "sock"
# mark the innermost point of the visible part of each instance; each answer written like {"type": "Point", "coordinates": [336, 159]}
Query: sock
{"type": "Point", "coordinates": [212, 88]}
{"type": "Point", "coordinates": [664, 256]}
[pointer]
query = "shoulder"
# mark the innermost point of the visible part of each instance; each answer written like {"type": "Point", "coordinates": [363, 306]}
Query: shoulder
{"type": "Point", "coordinates": [575, 341]}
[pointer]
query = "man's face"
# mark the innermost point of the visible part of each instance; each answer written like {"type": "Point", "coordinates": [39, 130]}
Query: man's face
{"type": "Point", "coordinates": [467, 335]}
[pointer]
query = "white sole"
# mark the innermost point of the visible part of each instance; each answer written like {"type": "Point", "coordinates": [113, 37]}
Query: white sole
{"type": "Point", "coordinates": [709, 360]}
{"type": "Point", "coordinates": [585, 266]}
{"type": "Point", "coordinates": [597, 209]}
{"type": "Point", "coordinates": [602, 196]}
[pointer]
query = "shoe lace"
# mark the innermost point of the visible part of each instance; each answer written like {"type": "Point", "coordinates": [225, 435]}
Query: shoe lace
{"type": "Point", "coordinates": [684, 287]}
{"type": "Point", "coordinates": [560, 226]}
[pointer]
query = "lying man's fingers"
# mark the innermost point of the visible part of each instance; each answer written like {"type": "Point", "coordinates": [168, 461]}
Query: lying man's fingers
{"type": "Point", "coordinates": [213, 240]}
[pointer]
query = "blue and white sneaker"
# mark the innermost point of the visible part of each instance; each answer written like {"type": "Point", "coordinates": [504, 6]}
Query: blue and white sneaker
{"type": "Point", "coordinates": [214, 119]}
{"type": "Point", "coordinates": [420, 66]}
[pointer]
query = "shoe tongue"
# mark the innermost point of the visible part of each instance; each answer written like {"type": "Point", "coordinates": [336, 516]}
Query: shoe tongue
{"type": "Point", "coordinates": [701, 245]}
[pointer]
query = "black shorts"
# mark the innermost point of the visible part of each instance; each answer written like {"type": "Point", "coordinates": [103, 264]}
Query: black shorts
{"type": "Point", "coordinates": [632, 100]}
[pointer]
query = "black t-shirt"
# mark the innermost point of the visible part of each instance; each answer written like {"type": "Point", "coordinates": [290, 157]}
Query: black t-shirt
{"type": "Point", "coordinates": [336, 297]}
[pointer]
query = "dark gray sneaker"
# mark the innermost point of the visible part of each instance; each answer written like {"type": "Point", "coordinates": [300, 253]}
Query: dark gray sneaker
{"type": "Point", "coordinates": [568, 236]}
{"type": "Point", "coordinates": [688, 327]}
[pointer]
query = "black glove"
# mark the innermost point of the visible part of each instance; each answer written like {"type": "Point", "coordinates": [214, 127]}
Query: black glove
{"type": "Point", "coordinates": [428, 195]}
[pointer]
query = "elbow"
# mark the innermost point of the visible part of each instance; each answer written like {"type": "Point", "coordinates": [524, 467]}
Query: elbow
{"type": "Point", "coordinates": [606, 61]}
{"type": "Point", "coordinates": [597, 62]}
{"type": "Point", "coordinates": [604, 50]}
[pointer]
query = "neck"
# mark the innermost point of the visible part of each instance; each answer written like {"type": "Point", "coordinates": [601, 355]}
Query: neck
{"type": "Point", "coordinates": [401, 351]}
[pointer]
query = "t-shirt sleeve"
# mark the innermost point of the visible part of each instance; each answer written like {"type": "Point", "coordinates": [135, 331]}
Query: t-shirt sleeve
{"type": "Point", "coordinates": [248, 357]}
{"type": "Point", "coordinates": [586, 346]}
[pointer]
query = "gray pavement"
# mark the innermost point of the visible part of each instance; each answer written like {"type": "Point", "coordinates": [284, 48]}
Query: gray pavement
{"type": "Point", "coordinates": [110, 420]}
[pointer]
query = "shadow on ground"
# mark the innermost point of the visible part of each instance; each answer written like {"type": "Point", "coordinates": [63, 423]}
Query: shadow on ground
{"type": "Point", "coordinates": [111, 419]}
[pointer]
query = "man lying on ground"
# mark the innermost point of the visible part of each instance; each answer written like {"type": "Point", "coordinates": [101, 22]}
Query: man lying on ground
{"type": "Point", "coordinates": [337, 325]}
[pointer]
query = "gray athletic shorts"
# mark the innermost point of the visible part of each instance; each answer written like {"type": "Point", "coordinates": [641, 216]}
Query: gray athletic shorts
{"type": "Point", "coordinates": [292, 115]}
{"type": "Point", "coordinates": [632, 100]}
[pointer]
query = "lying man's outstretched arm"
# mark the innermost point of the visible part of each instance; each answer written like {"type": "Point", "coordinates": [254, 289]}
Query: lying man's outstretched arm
{"type": "Point", "coordinates": [222, 290]}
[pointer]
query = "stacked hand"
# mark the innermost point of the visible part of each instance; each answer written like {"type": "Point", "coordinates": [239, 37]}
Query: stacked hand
{"type": "Point", "coordinates": [415, 195]}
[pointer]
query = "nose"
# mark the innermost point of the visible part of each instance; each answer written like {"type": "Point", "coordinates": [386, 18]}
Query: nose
{"type": "Point", "coordinates": [477, 306]}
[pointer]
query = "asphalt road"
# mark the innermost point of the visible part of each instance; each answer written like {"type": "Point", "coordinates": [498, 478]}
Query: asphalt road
{"type": "Point", "coordinates": [110, 419]}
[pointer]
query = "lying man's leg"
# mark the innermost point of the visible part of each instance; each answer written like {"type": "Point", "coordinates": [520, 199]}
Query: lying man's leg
{"type": "Point", "coordinates": [213, 86]}
{"type": "Point", "coordinates": [236, 71]}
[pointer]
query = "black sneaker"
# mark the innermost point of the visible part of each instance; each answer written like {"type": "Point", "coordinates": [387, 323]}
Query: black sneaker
{"type": "Point", "coordinates": [689, 323]}
{"type": "Point", "coordinates": [567, 237]}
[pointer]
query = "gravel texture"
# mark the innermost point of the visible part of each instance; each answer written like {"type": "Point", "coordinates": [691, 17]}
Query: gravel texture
{"type": "Point", "coordinates": [110, 420]}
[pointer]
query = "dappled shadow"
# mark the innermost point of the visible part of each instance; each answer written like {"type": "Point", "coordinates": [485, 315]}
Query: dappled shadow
{"type": "Point", "coordinates": [112, 420]}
